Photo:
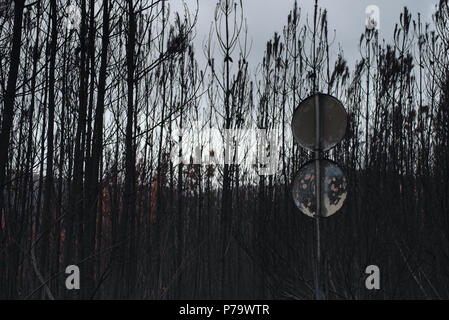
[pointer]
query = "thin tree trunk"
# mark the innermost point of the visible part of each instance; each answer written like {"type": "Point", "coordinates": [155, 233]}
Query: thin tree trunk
{"type": "Point", "coordinates": [8, 109]}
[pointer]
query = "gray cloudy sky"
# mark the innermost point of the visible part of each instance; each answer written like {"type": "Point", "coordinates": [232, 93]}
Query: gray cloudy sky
{"type": "Point", "coordinates": [347, 17]}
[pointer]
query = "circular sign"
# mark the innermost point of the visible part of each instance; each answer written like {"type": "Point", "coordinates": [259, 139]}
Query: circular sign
{"type": "Point", "coordinates": [332, 122]}
{"type": "Point", "coordinates": [333, 188]}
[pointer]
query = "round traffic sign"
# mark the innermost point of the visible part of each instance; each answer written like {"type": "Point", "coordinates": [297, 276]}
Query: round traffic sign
{"type": "Point", "coordinates": [333, 188]}
{"type": "Point", "coordinates": [332, 122]}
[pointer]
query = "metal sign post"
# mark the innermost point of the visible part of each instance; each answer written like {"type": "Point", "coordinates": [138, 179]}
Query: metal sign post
{"type": "Point", "coordinates": [319, 292]}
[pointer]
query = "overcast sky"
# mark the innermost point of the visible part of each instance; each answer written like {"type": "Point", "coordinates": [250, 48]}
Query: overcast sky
{"type": "Point", "coordinates": [346, 17]}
